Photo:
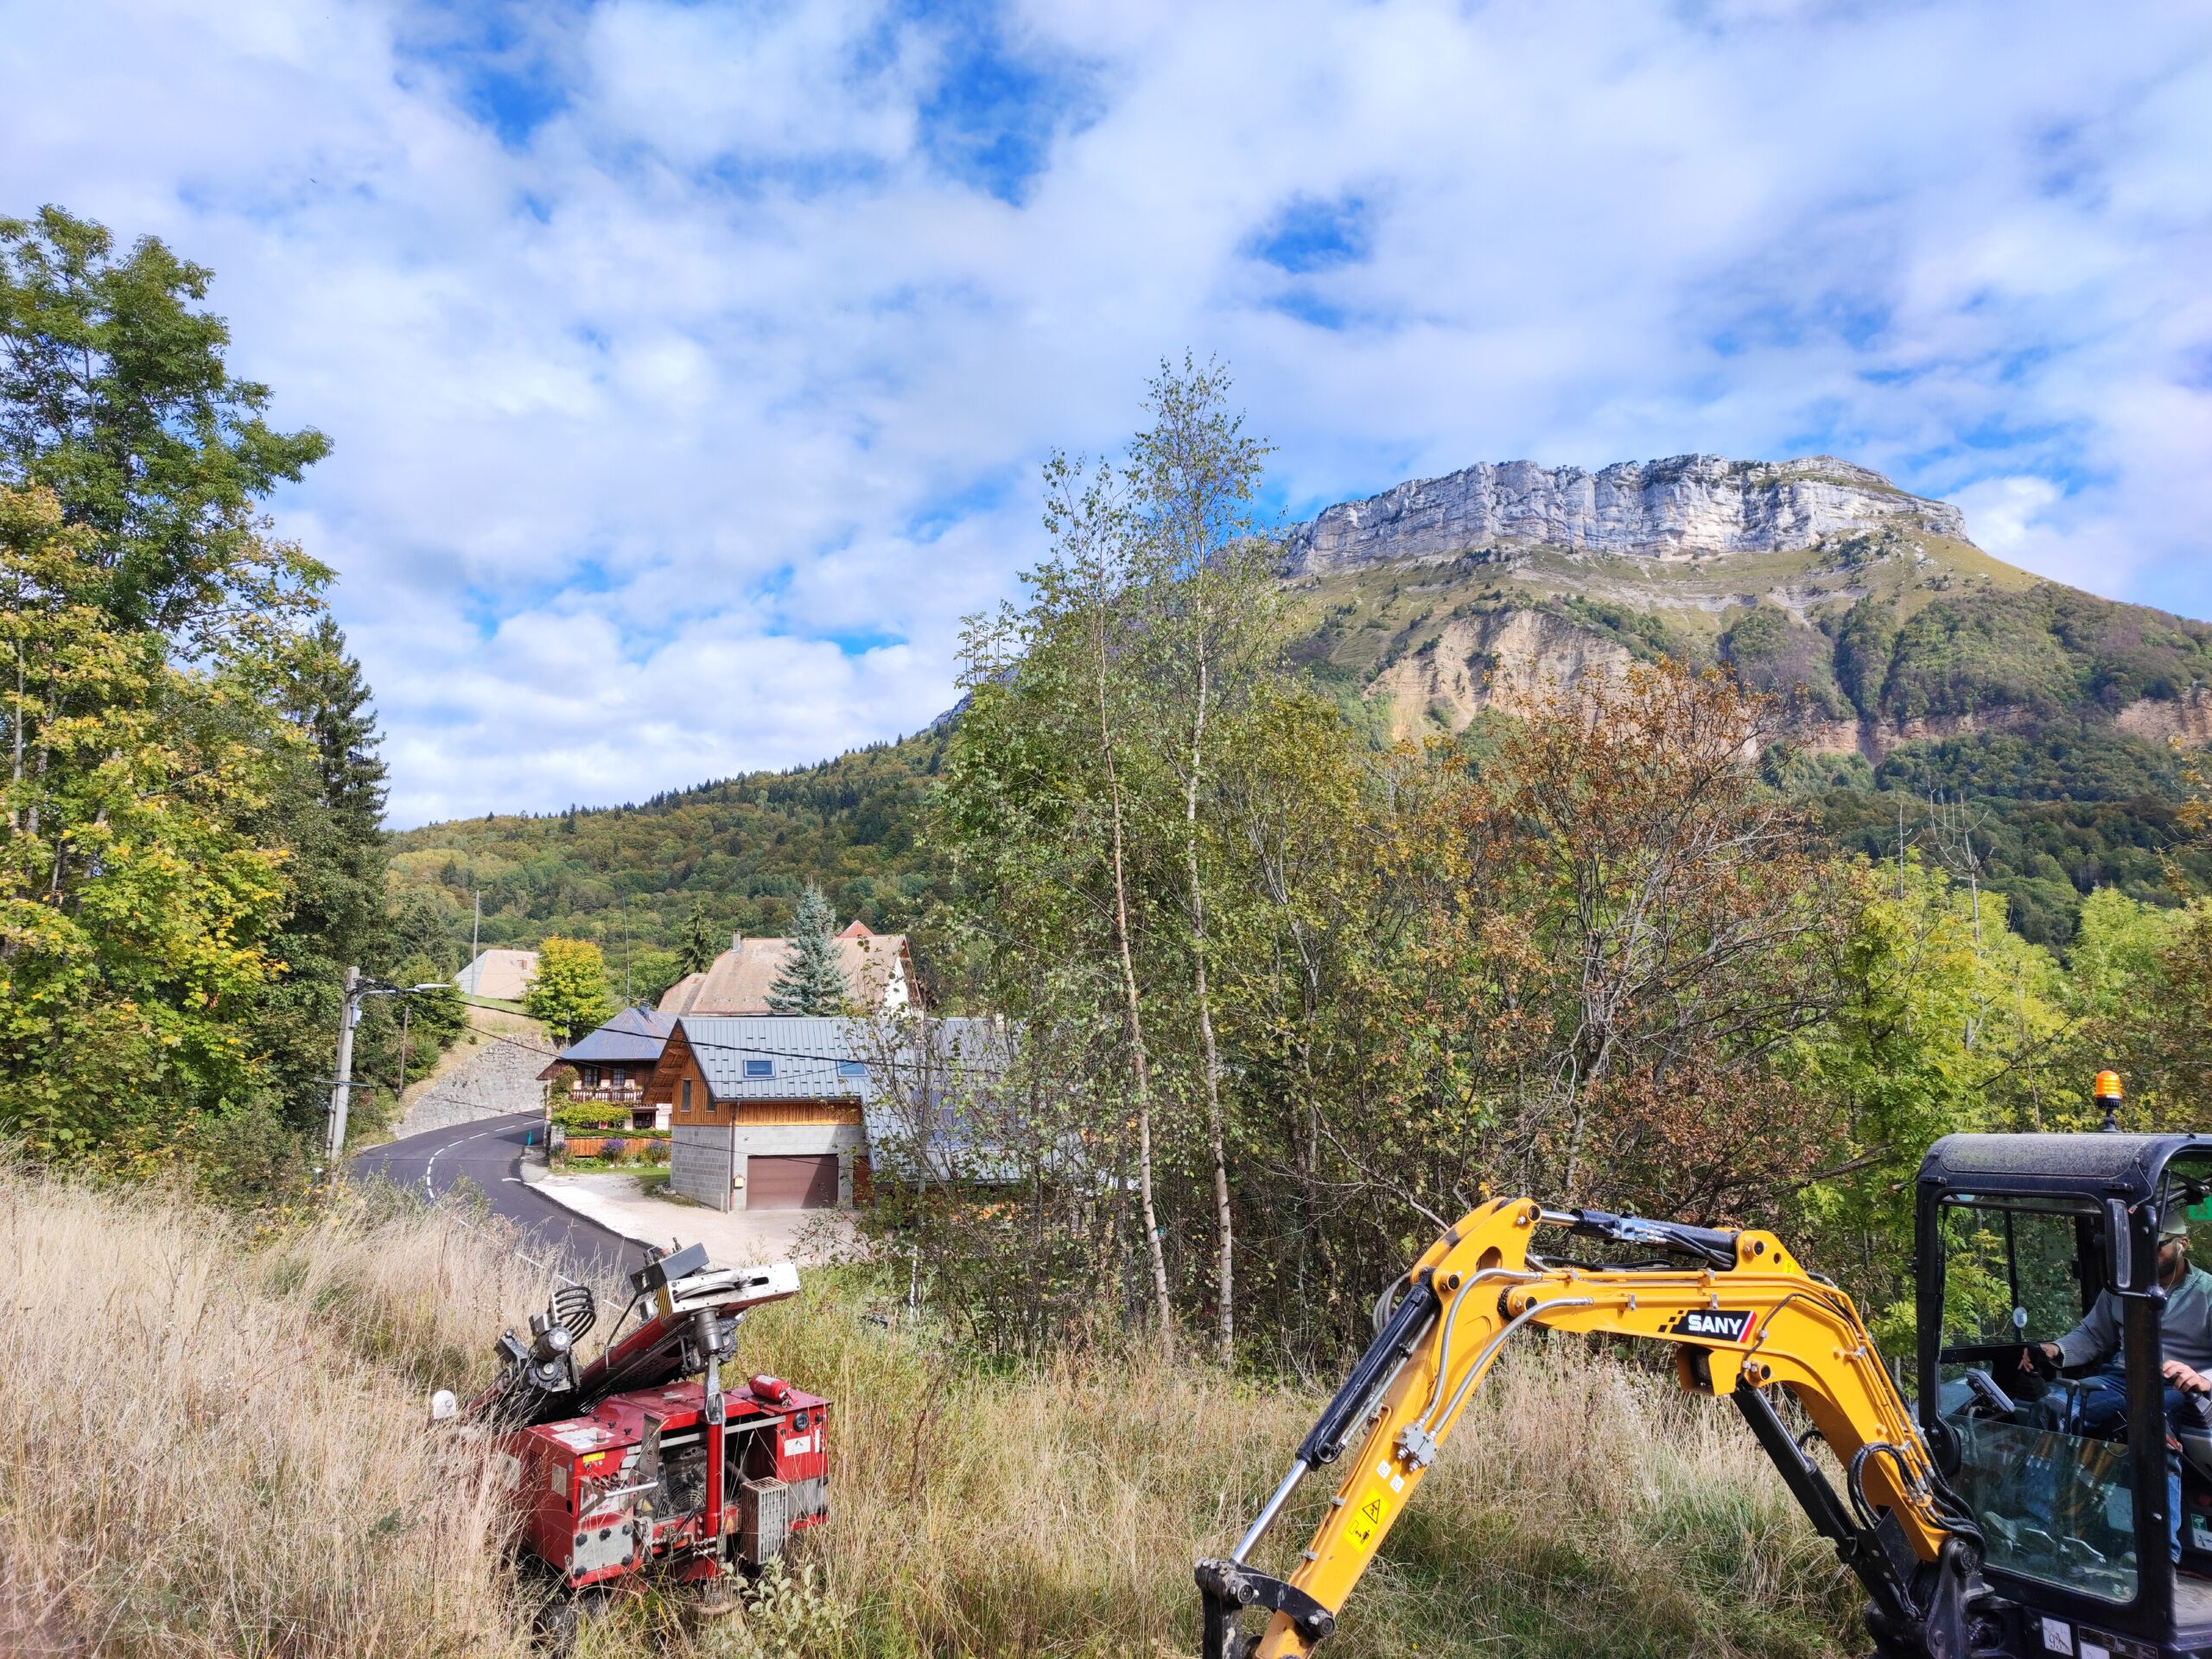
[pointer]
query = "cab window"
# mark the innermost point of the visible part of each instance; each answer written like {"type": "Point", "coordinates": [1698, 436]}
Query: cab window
{"type": "Point", "coordinates": [2050, 1476]}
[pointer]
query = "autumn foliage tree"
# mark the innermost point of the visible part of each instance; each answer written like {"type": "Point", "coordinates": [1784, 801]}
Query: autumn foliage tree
{"type": "Point", "coordinates": [569, 989]}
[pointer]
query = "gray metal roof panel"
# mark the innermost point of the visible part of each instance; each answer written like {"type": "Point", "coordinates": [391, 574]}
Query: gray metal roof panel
{"type": "Point", "coordinates": [2124, 1164]}
{"type": "Point", "coordinates": [634, 1035]}
{"type": "Point", "coordinates": [804, 1051]}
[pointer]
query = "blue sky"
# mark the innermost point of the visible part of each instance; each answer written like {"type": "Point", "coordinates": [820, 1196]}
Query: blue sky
{"type": "Point", "coordinates": [690, 365]}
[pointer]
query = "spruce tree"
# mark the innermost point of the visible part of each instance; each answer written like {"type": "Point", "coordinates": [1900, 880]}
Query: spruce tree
{"type": "Point", "coordinates": [811, 981]}
{"type": "Point", "coordinates": [700, 945]}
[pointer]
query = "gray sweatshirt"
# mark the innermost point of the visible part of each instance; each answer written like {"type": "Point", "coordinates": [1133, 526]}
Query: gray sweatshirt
{"type": "Point", "coordinates": [2185, 1330]}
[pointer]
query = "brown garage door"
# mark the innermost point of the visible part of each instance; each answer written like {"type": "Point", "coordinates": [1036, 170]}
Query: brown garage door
{"type": "Point", "coordinates": [808, 1183]}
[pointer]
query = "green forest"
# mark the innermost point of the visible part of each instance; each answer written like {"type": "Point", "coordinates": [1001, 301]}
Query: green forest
{"type": "Point", "coordinates": [741, 852]}
{"type": "Point", "coordinates": [195, 802]}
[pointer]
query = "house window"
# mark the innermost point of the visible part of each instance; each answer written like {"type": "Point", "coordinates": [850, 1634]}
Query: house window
{"type": "Point", "coordinates": [614, 1077]}
{"type": "Point", "coordinates": [687, 1094]}
{"type": "Point", "coordinates": [852, 1068]}
{"type": "Point", "coordinates": [759, 1068]}
{"type": "Point", "coordinates": [591, 1077]}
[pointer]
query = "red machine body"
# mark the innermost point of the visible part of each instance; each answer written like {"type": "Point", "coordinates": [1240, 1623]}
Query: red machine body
{"type": "Point", "coordinates": [592, 1513]}
{"type": "Point", "coordinates": [641, 1458]}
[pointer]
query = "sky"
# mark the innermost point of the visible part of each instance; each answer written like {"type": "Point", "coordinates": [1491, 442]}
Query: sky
{"type": "Point", "coordinates": [689, 367]}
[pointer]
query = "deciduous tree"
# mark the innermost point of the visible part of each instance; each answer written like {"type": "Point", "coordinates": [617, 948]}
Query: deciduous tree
{"type": "Point", "coordinates": [568, 991]}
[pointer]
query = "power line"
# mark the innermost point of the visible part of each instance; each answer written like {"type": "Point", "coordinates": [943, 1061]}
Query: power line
{"type": "Point", "coordinates": [767, 1053]}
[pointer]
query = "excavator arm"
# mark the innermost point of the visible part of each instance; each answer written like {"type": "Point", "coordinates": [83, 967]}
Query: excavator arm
{"type": "Point", "coordinates": [1746, 1319]}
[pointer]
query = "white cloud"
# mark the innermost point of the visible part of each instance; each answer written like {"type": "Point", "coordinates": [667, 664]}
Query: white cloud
{"type": "Point", "coordinates": [730, 352]}
{"type": "Point", "coordinates": [2002, 513]}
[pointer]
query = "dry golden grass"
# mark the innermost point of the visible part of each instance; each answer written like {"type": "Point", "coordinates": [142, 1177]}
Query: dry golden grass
{"type": "Point", "coordinates": [202, 1458]}
{"type": "Point", "coordinates": [217, 1445]}
{"type": "Point", "coordinates": [1585, 1507]}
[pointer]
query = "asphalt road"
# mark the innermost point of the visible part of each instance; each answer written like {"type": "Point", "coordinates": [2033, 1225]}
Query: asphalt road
{"type": "Point", "coordinates": [489, 1153]}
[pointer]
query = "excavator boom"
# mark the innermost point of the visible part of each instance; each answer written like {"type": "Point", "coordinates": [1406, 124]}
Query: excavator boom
{"type": "Point", "coordinates": [1746, 1319]}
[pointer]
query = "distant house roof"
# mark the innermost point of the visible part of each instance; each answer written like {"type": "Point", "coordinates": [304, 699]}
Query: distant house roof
{"type": "Point", "coordinates": [633, 1037]}
{"type": "Point", "coordinates": [752, 1058]}
{"type": "Point", "coordinates": [503, 975]}
{"type": "Point", "coordinates": [738, 981]}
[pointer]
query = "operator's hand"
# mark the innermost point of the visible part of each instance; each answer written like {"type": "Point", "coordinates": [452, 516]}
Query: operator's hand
{"type": "Point", "coordinates": [2048, 1350]}
{"type": "Point", "coordinates": [2186, 1381]}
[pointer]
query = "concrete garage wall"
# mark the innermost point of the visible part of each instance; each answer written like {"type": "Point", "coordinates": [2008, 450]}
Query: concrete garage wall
{"type": "Point", "coordinates": [698, 1163]}
{"type": "Point", "coordinates": [787, 1140]}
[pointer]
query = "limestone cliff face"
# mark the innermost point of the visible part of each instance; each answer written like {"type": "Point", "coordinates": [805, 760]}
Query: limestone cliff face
{"type": "Point", "coordinates": [1509, 659]}
{"type": "Point", "coordinates": [2186, 720]}
{"type": "Point", "coordinates": [1673, 509]}
{"type": "Point", "coordinates": [1503, 660]}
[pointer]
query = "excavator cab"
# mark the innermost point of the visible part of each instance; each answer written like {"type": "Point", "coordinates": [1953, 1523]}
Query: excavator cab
{"type": "Point", "coordinates": [2069, 1471]}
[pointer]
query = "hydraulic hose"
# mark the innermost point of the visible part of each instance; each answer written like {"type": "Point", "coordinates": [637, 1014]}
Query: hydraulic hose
{"type": "Point", "coordinates": [1451, 1322]}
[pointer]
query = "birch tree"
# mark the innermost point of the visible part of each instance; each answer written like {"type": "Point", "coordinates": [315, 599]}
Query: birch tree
{"type": "Point", "coordinates": [1205, 574]}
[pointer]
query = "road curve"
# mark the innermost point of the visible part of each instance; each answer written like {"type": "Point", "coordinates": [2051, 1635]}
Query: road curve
{"type": "Point", "coordinates": [489, 1153]}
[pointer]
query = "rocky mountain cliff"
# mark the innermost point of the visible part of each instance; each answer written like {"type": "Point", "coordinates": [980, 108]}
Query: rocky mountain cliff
{"type": "Point", "coordinates": [1907, 659]}
{"type": "Point", "coordinates": [1676, 509]}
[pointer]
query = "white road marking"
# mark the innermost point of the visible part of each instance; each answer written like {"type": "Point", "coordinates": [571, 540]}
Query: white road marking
{"type": "Point", "coordinates": [430, 1185]}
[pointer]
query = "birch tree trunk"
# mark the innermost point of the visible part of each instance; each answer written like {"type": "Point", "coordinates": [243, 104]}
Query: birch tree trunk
{"type": "Point", "coordinates": [1224, 1223]}
{"type": "Point", "coordinates": [1140, 1061]}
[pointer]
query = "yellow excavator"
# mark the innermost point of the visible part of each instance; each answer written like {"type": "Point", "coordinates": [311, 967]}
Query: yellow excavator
{"type": "Point", "coordinates": [1994, 1517]}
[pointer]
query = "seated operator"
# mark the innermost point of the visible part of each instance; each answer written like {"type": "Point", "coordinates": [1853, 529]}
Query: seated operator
{"type": "Point", "coordinates": [2099, 1406]}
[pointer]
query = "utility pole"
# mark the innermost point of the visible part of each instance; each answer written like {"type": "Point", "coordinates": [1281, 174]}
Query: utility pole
{"type": "Point", "coordinates": [626, 949]}
{"type": "Point", "coordinates": [349, 1012]}
{"type": "Point", "coordinates": [399, 1089]}
{"type": "Point", "coordinates": [475, 927]}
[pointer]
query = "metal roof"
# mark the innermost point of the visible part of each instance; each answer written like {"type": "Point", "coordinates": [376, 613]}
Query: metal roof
{"type": "Point", "coordinates": [800, 1052]}
{"type": "Point", "coordinates": [635, 1036]}
{"type": "Point", "coordinates": [2118, 1165]}
{"type": "Point", "coordinates": [802, 1055]}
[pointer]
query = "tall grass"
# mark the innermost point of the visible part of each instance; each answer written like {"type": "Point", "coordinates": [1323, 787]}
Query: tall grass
{"type": "Point", "coordinates": [1585, 1507]}
{"type": "Point", "coordinates": [207, 1449]}
{"type": "Point", "coordinates": [216, 1445]}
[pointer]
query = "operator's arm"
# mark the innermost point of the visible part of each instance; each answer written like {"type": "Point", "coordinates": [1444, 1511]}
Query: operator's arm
{"type": "Point", "coordinates": [2096, 1338]}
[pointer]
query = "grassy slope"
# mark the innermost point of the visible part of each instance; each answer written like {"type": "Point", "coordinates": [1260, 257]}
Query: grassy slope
{"type": "Point", "coordinates": [253, 1475]}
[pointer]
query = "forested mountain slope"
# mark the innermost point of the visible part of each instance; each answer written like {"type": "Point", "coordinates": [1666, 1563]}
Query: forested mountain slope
{"type": "Point", "coordinates": [743, 847]}
{"type": "Point", "coordinates": [1914, 666]}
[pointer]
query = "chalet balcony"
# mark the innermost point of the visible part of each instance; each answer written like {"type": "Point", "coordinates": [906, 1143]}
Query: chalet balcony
{"type": "Point", "coordinates": [626, 1094]}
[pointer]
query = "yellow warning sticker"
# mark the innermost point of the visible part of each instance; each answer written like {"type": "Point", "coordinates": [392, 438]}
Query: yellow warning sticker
{"type": "Point", "coordinates": [1368, 1516]}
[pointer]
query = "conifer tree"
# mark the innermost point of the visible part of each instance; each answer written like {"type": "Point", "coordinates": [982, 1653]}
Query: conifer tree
{"type": "Point", "coordinates": [812, 981]}
{"type": "Point", "coordinates": [701, 943]}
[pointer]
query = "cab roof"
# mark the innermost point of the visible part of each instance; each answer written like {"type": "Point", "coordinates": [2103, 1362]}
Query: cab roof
{"type": "Point", "coordinates": [2125, 1167]}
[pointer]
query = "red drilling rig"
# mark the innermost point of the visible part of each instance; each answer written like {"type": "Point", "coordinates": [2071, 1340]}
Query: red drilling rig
{"type": "Point", "coordinates": [640, 1460]}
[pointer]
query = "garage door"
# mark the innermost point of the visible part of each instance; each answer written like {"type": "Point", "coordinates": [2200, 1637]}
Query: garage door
{"type": "Point", "coordinates": [808, 1183]}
